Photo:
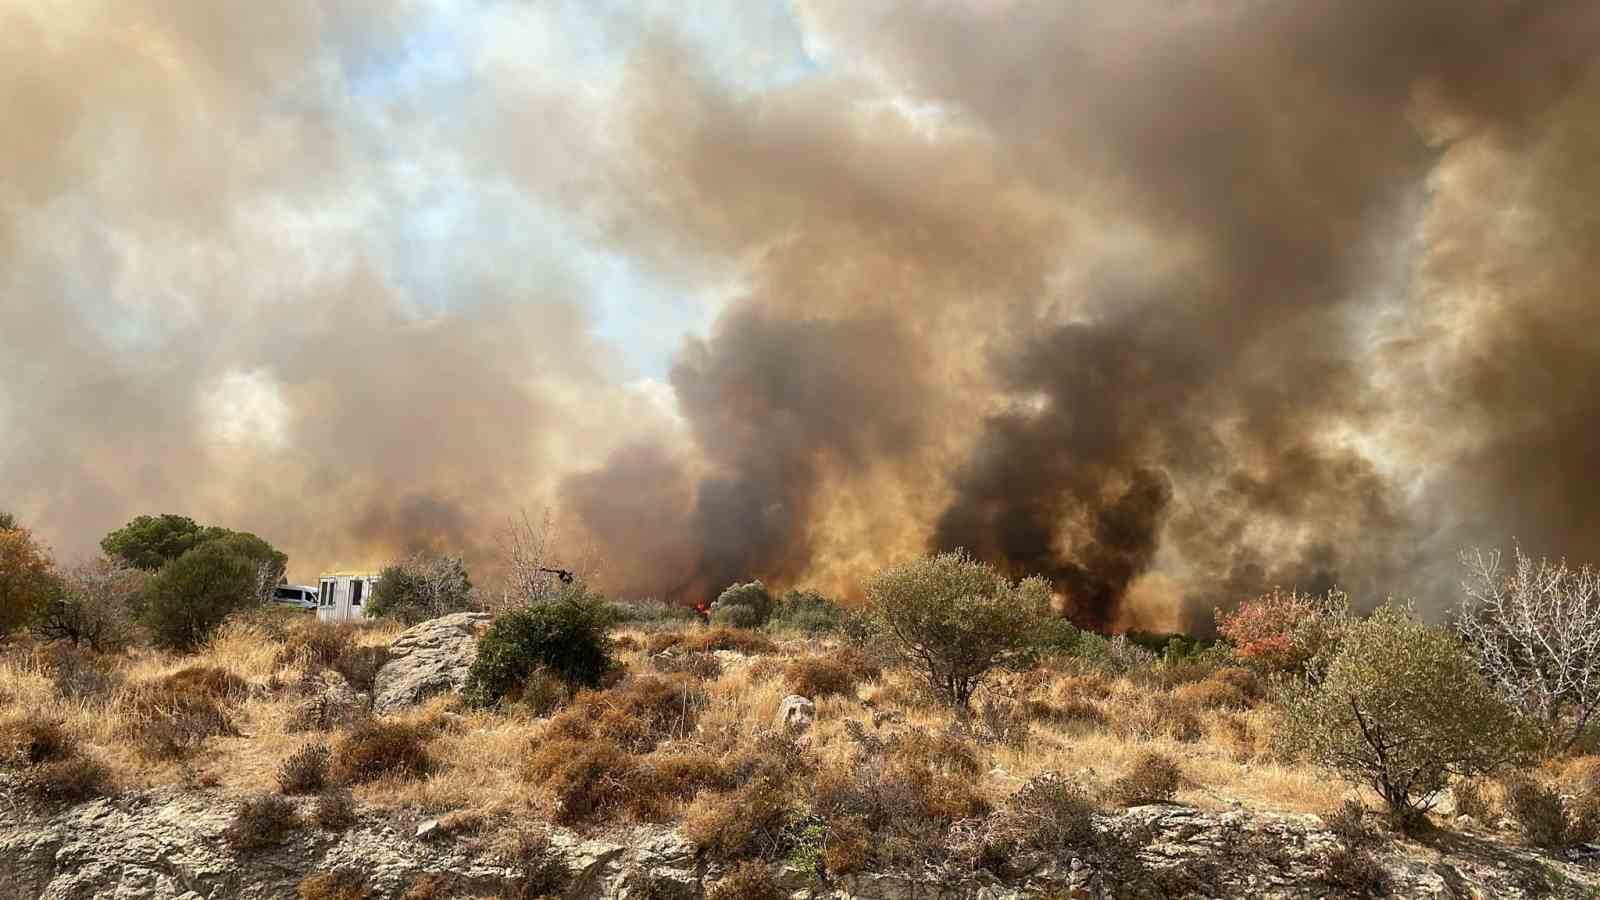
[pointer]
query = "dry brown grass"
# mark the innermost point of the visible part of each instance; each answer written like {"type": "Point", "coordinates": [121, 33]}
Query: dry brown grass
{"type": "Point", "coordinates": [675, 737]}
{"type": "Point", "coordinates": [343, 884]}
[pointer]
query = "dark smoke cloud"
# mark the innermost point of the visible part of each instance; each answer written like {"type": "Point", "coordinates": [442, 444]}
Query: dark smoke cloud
{"type": "Point", "coordinates": [1168, 302]}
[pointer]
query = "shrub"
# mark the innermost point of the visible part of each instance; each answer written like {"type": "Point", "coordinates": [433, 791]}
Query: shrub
{"type": "Point", "coordinates": [669, 776]}
{"type": "Point", "coordinates": [747, 822]}
{"type": "Point", "coordinates": [746, 881]}
{"type": "Point", "coordinates": [649, 613]}
{"type": "Point", "coordinates": [343, 884]}
{"type": "Point", "coordinates": [27, 577]}
{"type": "Point", "coordinates": [1472, 800]}
{"type": "Point", "coordinates": [1153, 778]}
{"type": "Point", "coordinates": [956, 619]}
{"type": "Point", "coordinates": [1051, 813]}
{"type": "Point", "coordinates": [170, 717]}
{"type": "Point", "coordinates": [807, 612]}
{"type": "Point", "coordinates": [540, 869]}
{"type": "Point", "coordinates": [712, 639]}
{"type": "Point", "coordinates": [587, 779]}
{"type": "Point", "coordinates": [1536, 633]}
{"type": "Point", "coordinates": [91, 605]}
{"type": "Point", "coordinates": [825, 676]}
{"type": "Point", "coordinates": [637, 714]}
{"type": "Point", "coordinates": [261, 822]}
{"type": "Point", "coordinates": [1402, 707]}
{"type": "Point", "coordinates": [359, 665]}
{"type": "Point", "coordinates": [77, 674]}
{"type": "Point", "coordinates": [847, 847]}
{"type": "Point", "coordinates": [701, 665]}
{"type": "Point", "coordinates": [1352, 826]}
{"type": "Point", "coordinates": [1284, 631]}
{"type": "Point", "coordinates": [1548, 820]}
{"type": "Point", "coordinates": [72, 779]}
{"type": "Point", "coordinates": [315, 644]}
{"type": "Point", "coordinates": [566, 636]}
{"type": "Point", "coordinates": [421, 587]}
{"type": "Point", "coordinates": [28, 740]}
{"type": "Point", "coordinates": [335, 809]}
{"type": "Point", "coordinates": [375, 748]}
{"type": "Point", "coordinates": [743, 606]}
{"type": "Point", "coordinates": [186, 601]}
{"type": "Point", "coordinates": [306, 770]}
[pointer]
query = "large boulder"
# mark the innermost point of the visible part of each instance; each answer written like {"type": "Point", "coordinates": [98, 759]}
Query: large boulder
{"type": "Point", "coordinates": [428, 659]}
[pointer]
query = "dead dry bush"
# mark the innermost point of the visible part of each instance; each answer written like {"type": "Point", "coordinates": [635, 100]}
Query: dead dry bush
{"type": "Point", "coordinates": [375, 748]}
{"type": "Point", "coordinates": [314, 644]}
{"type": "Point", "coordinates": [1089, 687]}
{"type": "Point", "coordinates": [77, 674]}
{"type": "Point", "coordinates": [1547, 818]}
{"type": "Point", "coordinates": [586, 779]}
{"type": "Point", "coordinates": [907, 791]}
{"type": "Point", "coordinates": [1153, 778]}
{"type": "Point", "coordinates": [335, 809]}
{"type": "Point", "coordinates": [746, 881]}
{"type": "Point", "coordinates": [674, 775]}
{"type": "Point", "coordinates": [360, 664]}
{"type": "Point", "coordinates": [1145, 717]}
{"type": "Point", "coordinates": [261, 822]}
{"type": "Point", "coordinates": [540, 870]}
{"type": "Point", "coordinates": [1352, 866]}
{"type": "Point", "coordinates": [1003, 721]}
{"type": "Point", "coordinates": [168, 718]}
{"type": "Point", "coordinates": [836, 673]}
{"type": "Point", "coordinates": [343, 884]}
{"type": "Point", "coordinates": [1230, 688]}
{"type": "Point", "coordinates": [700, 664]}
{"type": "Point", "coordinates": [432, 886]}
{"type": "Point", "coordinates": [745, 823]}
{"type": "Point", "coordinates": [306, 770]}
{"type": "Point", "coordinates": [1471, 797]}
{"type": "Point", "coordinates": [52, 767]}
{"type": "Point", "coordinates": [1238, 737]}
{"type": "Point", "coordinates": [636, 715]}
{"type": "Point", "coordinates": [28, 740]}
{"type": "Point", "coordinates": [707, 640]}
{"type": "Point", "coordinates": [1050, 813]}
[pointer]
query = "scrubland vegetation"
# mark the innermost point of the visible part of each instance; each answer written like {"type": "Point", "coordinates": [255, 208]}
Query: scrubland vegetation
{"type": "Point", "coordinates": [955, 720]}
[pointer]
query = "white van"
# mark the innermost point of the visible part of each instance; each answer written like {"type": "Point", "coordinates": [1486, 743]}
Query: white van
{"type": "Point", "coordinates": [298, 596]}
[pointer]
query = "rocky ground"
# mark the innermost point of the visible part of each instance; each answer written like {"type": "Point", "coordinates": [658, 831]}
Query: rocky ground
{"type": "Point", "coordinates": [170, 843]}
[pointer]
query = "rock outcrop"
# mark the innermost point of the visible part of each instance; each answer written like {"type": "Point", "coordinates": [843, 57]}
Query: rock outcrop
{"type": "Point", "coordinates": [428, 659]}
{"type": "Point", "coordinates": [795, 714]}
{"type": "Point", "coordinates": [168, 845]}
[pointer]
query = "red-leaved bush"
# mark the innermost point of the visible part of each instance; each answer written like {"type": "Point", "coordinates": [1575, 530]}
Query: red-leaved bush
{"type": "Point", "coordinates": [1278, 631]}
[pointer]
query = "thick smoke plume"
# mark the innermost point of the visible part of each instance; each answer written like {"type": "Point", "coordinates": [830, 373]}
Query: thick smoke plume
{"type": "Point", "coordinates": [1167, 302]}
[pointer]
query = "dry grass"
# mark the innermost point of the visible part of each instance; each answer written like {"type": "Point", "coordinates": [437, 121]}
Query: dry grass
{"type": "Point", "coordinates": [664, 742]}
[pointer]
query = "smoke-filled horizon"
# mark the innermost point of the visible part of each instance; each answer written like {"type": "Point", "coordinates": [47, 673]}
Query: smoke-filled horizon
{"type": "Point", "coordinates": [1169, 303]}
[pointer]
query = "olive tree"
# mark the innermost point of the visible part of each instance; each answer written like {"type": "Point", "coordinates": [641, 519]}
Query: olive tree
{"type": "Point", "coordinates": [1536, 633]}
{"type": "Point", "coordinates": [956, 618]}
{"type": "Point", "coordinates": [1401, 707]}
{"type": "Point", "coordinates": [186, 601]}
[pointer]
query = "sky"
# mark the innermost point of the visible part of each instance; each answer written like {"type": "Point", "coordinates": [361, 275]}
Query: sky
{"type": "Point", "coordinates": [1168, 303]}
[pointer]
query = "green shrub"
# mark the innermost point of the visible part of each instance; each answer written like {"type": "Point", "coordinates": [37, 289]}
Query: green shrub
{"type": "Point", "coordinates": [808, 612]}
{"type": "Point", "coordinates": [421, 587]}
{"type": "Point", "coordinates": [1401, 707]}
{"type": "Point", "coordinates": [956, 619]}
{"type": "Point", "coordinates": [566, 637]}
{"type": "Point", "coordinates": [743, 606]}
{"type": "Point", "coordinates": [186, 601]}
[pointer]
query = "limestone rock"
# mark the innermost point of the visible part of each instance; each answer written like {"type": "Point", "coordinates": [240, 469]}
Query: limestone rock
{"type": "Point", "coordinates": [427, 659]}
{"type": "Point", "coordinates": [795, 714]}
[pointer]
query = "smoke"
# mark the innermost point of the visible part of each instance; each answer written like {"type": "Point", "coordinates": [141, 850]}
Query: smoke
{"type": "Point", "coordinates": [1169, 304]}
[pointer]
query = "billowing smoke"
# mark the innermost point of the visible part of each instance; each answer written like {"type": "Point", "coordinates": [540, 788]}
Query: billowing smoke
{"type": "Point", "coordinates": [1169, 303]}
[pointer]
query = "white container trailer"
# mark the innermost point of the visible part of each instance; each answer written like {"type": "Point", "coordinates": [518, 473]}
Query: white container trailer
{"type": "Point", "coordinates": [342, 596]}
